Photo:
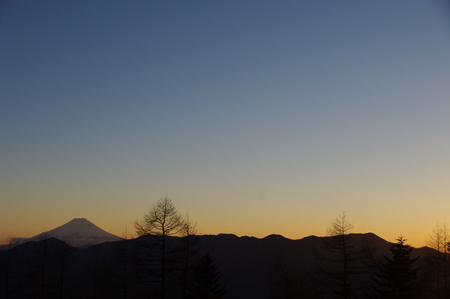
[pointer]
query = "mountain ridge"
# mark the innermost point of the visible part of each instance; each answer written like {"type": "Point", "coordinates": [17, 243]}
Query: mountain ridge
{"type": "Point", "coordinates": [244, 262]}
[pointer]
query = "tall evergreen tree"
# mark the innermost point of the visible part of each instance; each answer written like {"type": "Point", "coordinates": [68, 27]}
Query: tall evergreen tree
{"type": "Point", "coordinates": [206, 280]}
{"type": "Point", "coordinates": [397, 277]}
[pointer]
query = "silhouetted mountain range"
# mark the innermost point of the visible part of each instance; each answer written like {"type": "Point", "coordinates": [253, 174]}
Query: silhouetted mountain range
{"type": "Point", "coordinates": [244, 262]}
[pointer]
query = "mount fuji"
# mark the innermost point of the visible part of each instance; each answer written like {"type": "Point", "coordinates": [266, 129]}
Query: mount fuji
{"type": "Point", "coordinates": [77, 232]}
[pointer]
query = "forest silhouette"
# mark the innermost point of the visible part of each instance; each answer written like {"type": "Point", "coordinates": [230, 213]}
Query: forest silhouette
{"type": "Point", "coordinates": [169, 259]}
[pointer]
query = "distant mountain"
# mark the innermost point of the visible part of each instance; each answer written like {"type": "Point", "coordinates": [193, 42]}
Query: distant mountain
{"type": "Point", "coordinates": [77, 232]}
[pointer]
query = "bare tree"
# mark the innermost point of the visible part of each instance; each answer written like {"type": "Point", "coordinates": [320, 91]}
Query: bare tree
{"type": "Point", "coordinates": [436, 261]}
{"type": "Point", "coordinates": [188, 248]}
{"type": "Point", "coordinates": [161, 221]}
{"type": "Point", "coordinates": [338, 260]}
{"type": "Point", "coordinates": [340, 227]}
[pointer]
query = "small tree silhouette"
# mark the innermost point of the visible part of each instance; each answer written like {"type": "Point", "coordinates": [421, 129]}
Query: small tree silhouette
{"type": "Point", "coordinates": [206, 280]}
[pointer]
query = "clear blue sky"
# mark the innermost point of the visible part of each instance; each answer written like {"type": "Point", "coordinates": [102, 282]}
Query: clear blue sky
{"type": "Point", "coordinates": [256, 117]}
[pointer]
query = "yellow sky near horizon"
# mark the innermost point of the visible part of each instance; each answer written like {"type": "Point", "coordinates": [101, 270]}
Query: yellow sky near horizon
{"type": "Point", "coordinates": [258, 225]}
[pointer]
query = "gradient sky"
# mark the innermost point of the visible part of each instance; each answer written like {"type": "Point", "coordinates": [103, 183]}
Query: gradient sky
{"type": "Point", "coordinates": [256, 117]}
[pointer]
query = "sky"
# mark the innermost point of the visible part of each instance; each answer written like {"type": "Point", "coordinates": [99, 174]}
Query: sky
{"type": "Point", "coordinates": [255, 117]}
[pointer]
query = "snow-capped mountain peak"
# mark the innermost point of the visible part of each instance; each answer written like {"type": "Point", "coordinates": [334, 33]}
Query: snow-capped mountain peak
{"type": "Point", "coordinates": [80, 228]}
{"type": "Point", "coordinates": [78, 232]}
